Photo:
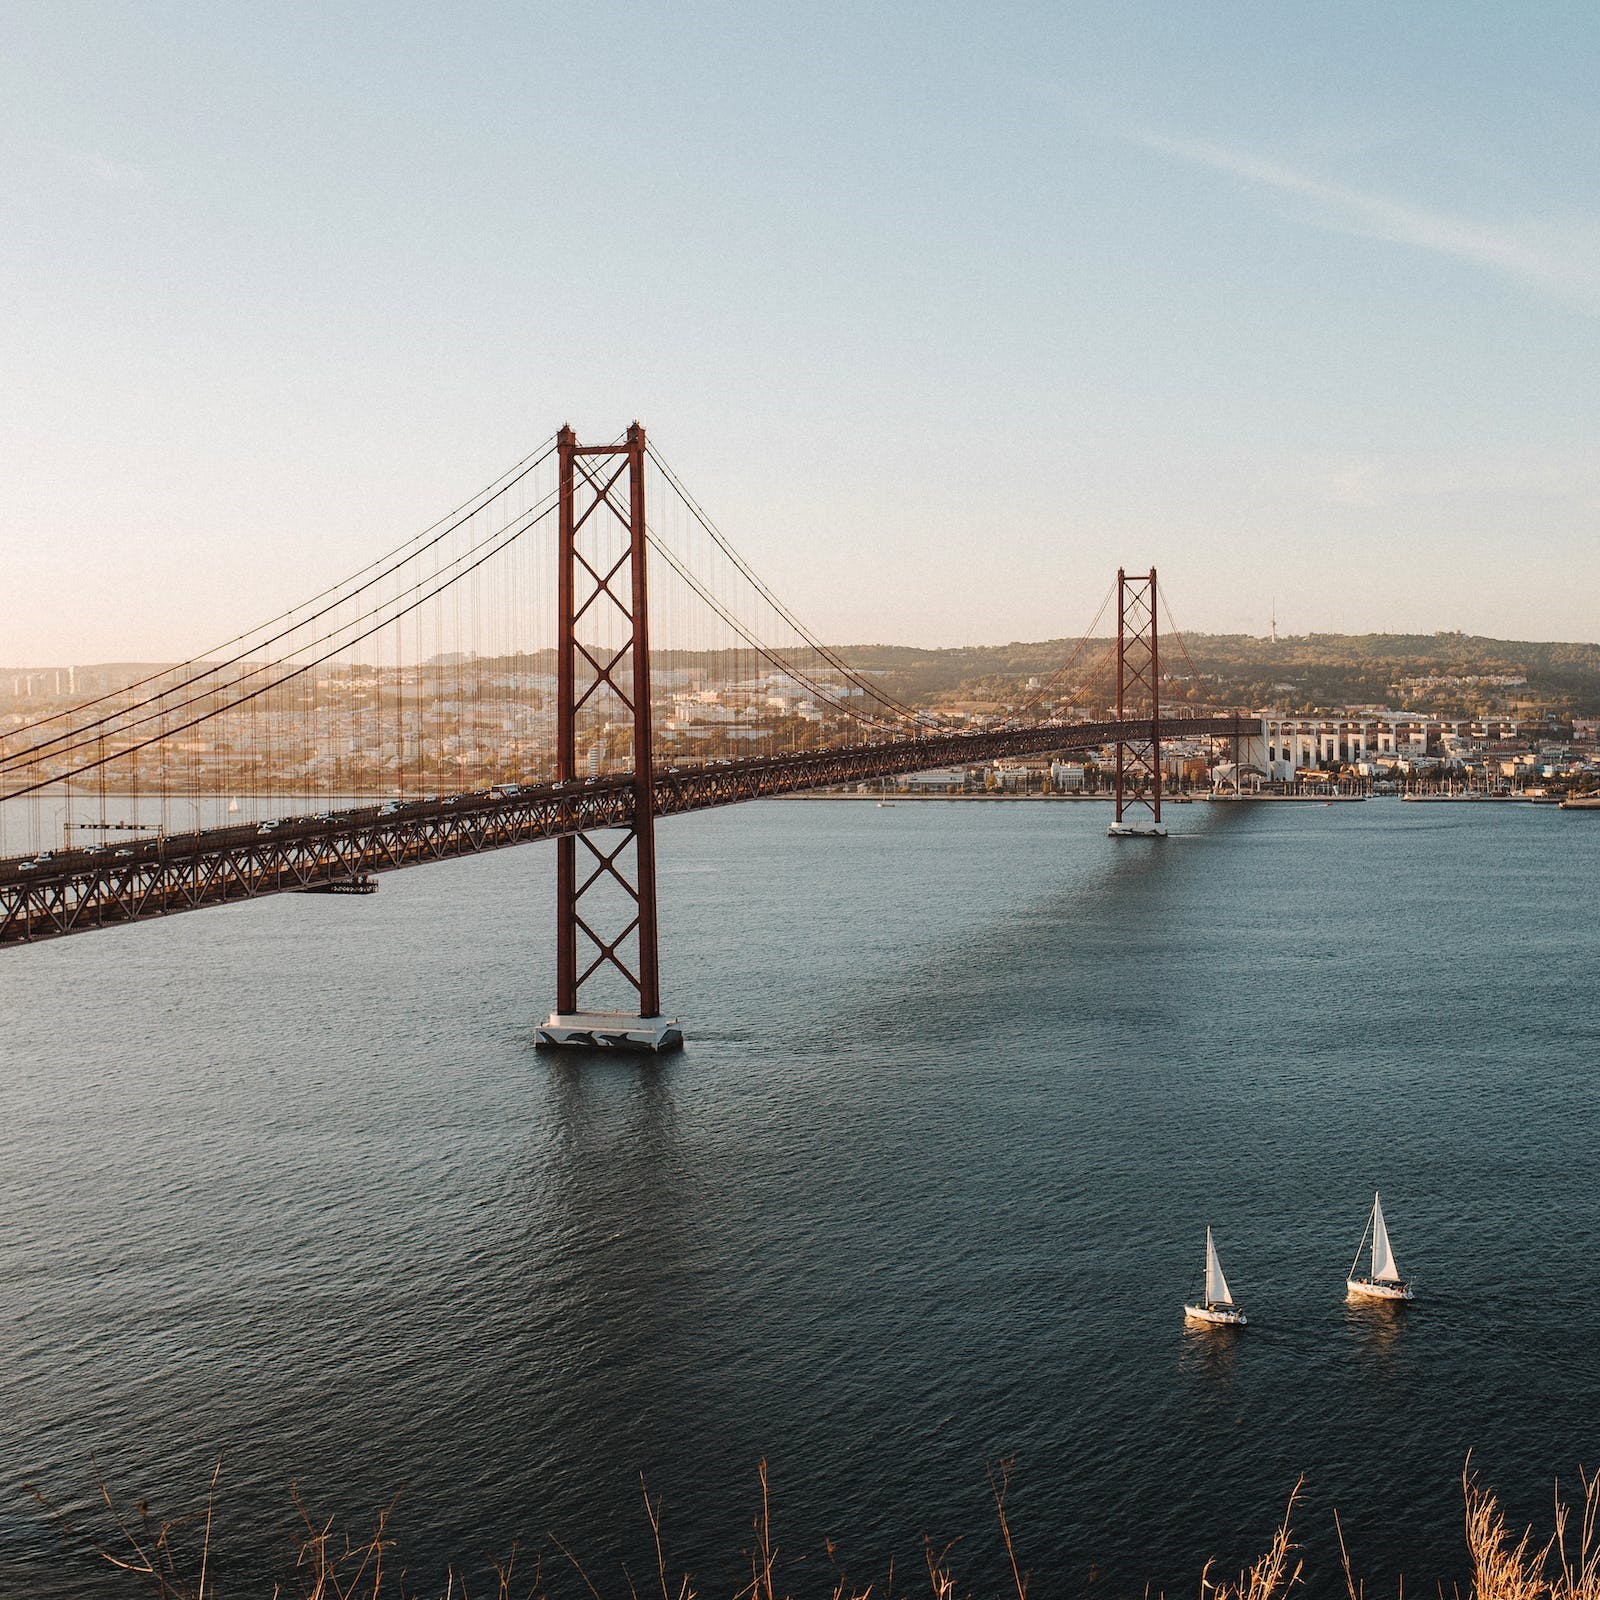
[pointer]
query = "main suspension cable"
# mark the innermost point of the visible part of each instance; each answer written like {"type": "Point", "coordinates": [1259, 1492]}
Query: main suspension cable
{"type": "Point", "coordinates": [767, 654]}
{"type": "Point", "coordinates": [1060, 673]}
{"type": "Point", "coordinates": [124, 719]}
{"type": "Point", "coordinates": [851, 674]}
{"type": "Point", "coordinates": [289, 677]}
{"type": "Point", "coordinates": [455, 520]}
{"type": "Point", "coordinates": [1183, 648]}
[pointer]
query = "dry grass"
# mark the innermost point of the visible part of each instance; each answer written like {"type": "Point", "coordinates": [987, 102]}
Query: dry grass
{"type": "Point", "coordinates": [172, 1559]}
{"type": "Point", "coordinates": [1271, 1576]}
{"type": "Point", "coordinates": [1564, 1567]}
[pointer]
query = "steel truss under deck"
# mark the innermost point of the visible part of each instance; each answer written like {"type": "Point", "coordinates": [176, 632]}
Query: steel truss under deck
{"type": "Point", "coordinates": [79, 890]}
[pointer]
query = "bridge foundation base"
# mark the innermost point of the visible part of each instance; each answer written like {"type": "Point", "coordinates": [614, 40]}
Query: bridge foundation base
{"type": "Point", "coordinates": [1137, 830]}
{"type": "Point", "coordinates": [608, 1030]}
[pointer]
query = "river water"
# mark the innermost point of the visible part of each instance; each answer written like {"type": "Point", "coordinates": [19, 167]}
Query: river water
{"type": "Point", "coordinates": [287, 1186]}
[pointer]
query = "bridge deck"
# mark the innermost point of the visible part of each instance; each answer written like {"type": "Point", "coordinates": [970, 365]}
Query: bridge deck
{"type": "Point", "coordinates": [76, 890]}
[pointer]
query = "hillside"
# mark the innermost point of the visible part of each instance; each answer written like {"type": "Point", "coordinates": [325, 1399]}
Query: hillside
{"type": "Point", "coordinates": [1444, 673]}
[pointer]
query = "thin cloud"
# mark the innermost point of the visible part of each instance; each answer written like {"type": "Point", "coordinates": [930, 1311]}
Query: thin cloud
{"type": "Point", "coordinates": [1501, 248]}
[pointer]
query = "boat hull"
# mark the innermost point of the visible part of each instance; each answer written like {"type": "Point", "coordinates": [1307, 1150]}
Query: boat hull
{"type": "Point", "coordinates": [1217, 1316]}
{"type": "Point", "coordinates": [1136, 830]}
{"type": "Point", "coordinates": [1372, 1289]}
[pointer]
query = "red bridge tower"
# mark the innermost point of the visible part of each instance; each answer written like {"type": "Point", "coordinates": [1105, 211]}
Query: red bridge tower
{"type": "Point", "coordinates": [1138, 679]}
{"type": "Point", "coordinates": [606, 876]}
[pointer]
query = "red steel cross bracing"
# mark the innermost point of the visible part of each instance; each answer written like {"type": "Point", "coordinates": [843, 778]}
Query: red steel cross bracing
{"type": "Point", "coordinates": [1138, 688]}
{"type": "Point", "coordinates": [602, 589]}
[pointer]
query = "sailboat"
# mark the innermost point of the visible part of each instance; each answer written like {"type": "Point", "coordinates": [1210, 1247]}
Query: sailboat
{"type": "Point", "coordinates": [1217, 1306]}
{"type": "Point", "coordinates": [1384, 1281]}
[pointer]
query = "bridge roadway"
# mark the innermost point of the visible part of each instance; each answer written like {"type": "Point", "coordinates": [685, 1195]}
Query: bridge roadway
{"type": "Point", "coordinates": [72, 891]}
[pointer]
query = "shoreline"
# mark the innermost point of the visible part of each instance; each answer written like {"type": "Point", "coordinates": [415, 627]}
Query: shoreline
{"type": "Point", "coordinates": [894, 799]}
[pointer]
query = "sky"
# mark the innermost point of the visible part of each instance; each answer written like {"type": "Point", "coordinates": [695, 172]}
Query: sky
{"type": "Point", "coordinates": [943, 311]}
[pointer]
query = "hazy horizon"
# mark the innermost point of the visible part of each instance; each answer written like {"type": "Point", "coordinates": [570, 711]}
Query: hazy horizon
{"type": "Point", "coordinates": [1300, 307]}
{"type": "Point", "coordinates": [1099, 636]}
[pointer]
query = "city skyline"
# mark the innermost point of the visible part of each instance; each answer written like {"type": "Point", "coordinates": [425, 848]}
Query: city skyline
{"type": "Point", "coordinates": [940, 330]}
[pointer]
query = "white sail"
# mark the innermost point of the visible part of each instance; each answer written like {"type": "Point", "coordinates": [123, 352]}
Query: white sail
{"type": "Point", "coordinates": [1383, 1264]}
{"type": "Point", "coordinates": [1216, 1284]}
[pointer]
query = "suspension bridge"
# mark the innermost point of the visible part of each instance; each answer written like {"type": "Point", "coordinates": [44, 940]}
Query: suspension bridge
{"type": "Point", "coordinates": [572, 653]}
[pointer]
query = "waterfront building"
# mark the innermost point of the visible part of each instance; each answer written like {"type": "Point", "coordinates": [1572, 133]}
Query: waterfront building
{"type": "Point", "coordinates": [938, 780]}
